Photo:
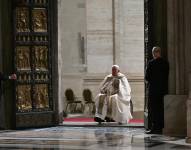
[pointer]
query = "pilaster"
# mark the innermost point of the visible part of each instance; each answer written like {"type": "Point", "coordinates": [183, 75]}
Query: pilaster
{"type": "Point", "coordinates": [175, 103]}
{"type": "Point", "coordinates": [188, 139]}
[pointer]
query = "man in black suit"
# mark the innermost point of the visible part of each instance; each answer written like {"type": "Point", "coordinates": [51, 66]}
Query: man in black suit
{"type": "Point", "coordinates": [3, 78]}
{"type": "Point", "coordinates": [157, 77]}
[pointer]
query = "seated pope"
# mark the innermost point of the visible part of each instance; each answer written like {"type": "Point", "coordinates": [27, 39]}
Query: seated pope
{"type": "Point", "coordinates": [113, 101]}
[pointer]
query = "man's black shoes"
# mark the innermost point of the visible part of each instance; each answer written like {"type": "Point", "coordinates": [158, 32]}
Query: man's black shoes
{"type": "Point", "coordinates": [159, 131]}
{"type": "Point", "coordinates": [149, 132]}
{"type": "Point", "coordinates": [109, 119]}
{"type": "Point", "coordinates": [97, 119]}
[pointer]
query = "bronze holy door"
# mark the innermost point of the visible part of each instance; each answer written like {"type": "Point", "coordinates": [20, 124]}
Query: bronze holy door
{"type": "Point", "coordinates": [34, 49]}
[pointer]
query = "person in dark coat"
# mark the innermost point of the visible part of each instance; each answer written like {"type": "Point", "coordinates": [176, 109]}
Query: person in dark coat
{"type": "Point", "coordinates": [157, 77]}
{"type": "Point", "coordinates": [4, 77]}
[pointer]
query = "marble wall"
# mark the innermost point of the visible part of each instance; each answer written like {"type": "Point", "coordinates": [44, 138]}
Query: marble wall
{"type": "Point", "coordinates": [175, 115]}
{"type": "Point", "coordinates": [187, 17]}
{"type": "Point", "coordinates": [71, 28]}
{"type": "Point", "coordinates": [99, 36]}
{"type": "Point", "coordinates": [129, 36]}
{"type": "Point", "coordinates": [113, 32]}
{"type": "Point", "coordinates": [189, 112]}
{"type": "Point", "coordinates": [188, 138]}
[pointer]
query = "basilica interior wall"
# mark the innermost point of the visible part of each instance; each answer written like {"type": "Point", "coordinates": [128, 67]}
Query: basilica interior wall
{"type": "Point", "coordinates": [93, 35]}
{"type": "Point", "coordinates": [179, 52]}
{"type": "Point", "coordinates": [187, 26]}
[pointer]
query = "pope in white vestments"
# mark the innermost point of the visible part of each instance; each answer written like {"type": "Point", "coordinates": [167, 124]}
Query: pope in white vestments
{"type": "Point", "coordinates": [113, 101]}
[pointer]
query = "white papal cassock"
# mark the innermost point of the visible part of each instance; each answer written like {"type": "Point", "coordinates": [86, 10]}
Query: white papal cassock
{"type": "Point", "coordinates": [113, 101]}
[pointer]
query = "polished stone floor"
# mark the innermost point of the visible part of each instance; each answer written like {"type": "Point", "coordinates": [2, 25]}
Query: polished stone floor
{"type": "Point", "coordinates": [88, 138]}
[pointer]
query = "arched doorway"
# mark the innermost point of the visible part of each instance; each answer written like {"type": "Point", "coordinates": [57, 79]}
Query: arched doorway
{"type": "Point", "coordinates": [111, 31]}
{"type": "Point", "coordinates": [24, 38]}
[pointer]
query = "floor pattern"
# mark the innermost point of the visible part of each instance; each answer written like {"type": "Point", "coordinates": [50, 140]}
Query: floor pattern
{"type": "Point", "coordinates": [86, 138]}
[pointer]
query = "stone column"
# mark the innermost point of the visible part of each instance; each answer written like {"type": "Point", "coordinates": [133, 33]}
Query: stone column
{"type": "Point", "coordinates": [175, 102]}
{"type": "Point", "coordinates": [188, 65]}
{"type": "Point", "coordinates": [188, 139]}
{"type": "Point", "coordinates": [0, 38]}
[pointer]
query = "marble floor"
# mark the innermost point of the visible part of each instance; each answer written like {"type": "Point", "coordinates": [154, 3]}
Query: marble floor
{"type": "Point", "coordinates": [88, 138]}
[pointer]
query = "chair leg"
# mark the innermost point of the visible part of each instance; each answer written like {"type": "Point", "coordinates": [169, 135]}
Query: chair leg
{"type": "Point", "coordinates": [89, 108]}
{"type": "Point", "coordinates": [66, 107]}
{"type": "Point", "coordinates": [75, 107]}
{"type": "Point", "coordinates": [81, 107]}
{"type": "Point", "coordinates": [82, 110]}
{"type": "Point", "coordinates": [94, 108]}
{"type": "Point", "coordinates": [84, 107]}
